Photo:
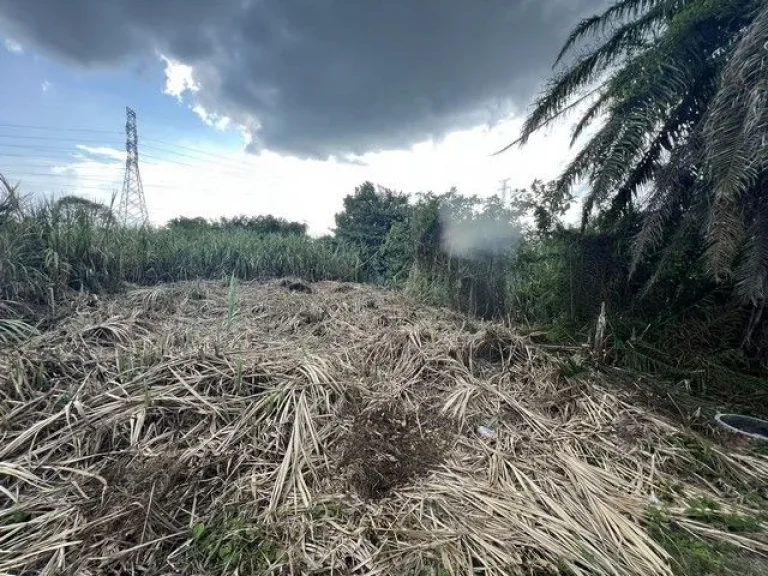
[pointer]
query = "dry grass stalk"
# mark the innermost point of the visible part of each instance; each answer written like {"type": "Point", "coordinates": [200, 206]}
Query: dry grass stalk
{"type": "Point", "coordinates": [159, 431]}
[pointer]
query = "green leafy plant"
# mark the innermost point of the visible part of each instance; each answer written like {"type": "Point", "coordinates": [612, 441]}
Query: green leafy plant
{"type": "Point", "coordinates": [678, 87]}
{"type": "Point", "coordinates": [225, 544]}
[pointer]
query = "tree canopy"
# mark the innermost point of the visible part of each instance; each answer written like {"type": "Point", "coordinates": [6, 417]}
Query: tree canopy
{"type": "Point", "coordinates": [267, 224]}
{"type": "Point", "coordinates": [674, 107]}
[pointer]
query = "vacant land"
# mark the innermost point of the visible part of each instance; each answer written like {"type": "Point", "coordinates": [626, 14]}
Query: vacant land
{"type": "Point", "coordinates": [207, 428]}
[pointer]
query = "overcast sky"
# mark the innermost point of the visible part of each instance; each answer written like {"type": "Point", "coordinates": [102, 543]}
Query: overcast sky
{"type": "Point", "coordinates": [279, 106]}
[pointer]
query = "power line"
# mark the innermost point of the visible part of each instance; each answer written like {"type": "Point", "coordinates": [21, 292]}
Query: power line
{"type": "Point", "coordinates": [196, 151]}
{"type": "Point", "coordinates": [109, 145]}
{"type": "Point", "coordinates": [89, 130]}
{"type": "Point", "coordinates": [52, 164]}
{"type": "Point", "coordinates": [32, 149]}
{"type": "Point", "coordinates": [93, 142]}
{"type": "Point", "coordinates": [67, 155]}
{"type": "Point", "coordinates": [92, 188]}
{"type": "Point", "coordinates": [65, 150]}
{"type": "Point", "coordinates": [45, 186]}
{"type": "Point", "coordinates": [199, 156]}
{"type": "Point", "coordinates": [67, 179]}
{"type": "Point", "coordinates": [230, 161]}
{"type": "Point", "coordinates": [67, 176]}
{"type": "Point", "coordinates": [58, 129]}
{"type": "Point", "coordinates": [224, 165]}
{"type": "Point", "coordinates": [49, 138]}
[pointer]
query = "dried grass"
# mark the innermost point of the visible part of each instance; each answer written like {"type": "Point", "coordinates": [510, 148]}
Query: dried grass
{"type": "Point", "coordinates": [331, 431]}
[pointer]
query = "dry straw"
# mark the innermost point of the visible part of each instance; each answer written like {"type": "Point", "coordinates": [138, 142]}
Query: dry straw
{"type": "Point", "coordinates": [204, 428]}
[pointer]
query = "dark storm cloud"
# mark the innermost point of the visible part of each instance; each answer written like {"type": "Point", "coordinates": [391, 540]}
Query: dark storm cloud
{"type": "Point", "coordinates": [323, 77]}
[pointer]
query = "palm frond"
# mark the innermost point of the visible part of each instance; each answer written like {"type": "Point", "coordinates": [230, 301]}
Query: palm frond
{"type": "Point", "coordinates": [594, 111]}
{"type": "Point", "coordinates": [597, 24]}
{"type": "Point", "coordinates": [725, 235]}
{"type": "Point", "coordinates": [751, 274]}
{"type": "Point", "coordinates": [688, 227]}
{"type": "Point", "coordinates": [738, 122]}
{"type": "Point", "coordinates": [626, 40]}
{"type": "Point", "coordinates": [675, 183]}
{"type": "Point", "coordinates": [659, 97]}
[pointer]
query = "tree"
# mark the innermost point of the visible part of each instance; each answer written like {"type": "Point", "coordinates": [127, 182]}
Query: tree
{"type": "Point", "coordinates": [76, 207]}
{"type": "Point", "coordinates": [367, 217]}
{"type": "Point", "coordinates": [680, 89]}
{"type": "Point", "coordinates": [190, 224]}
{"type": "Point", "coordinates": [267, 224]}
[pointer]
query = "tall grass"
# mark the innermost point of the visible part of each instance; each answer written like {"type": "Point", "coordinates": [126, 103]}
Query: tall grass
{"type": "Point", "coordinates": [47, 248]}
{"type": "Point", "coordinates": [477, 287]}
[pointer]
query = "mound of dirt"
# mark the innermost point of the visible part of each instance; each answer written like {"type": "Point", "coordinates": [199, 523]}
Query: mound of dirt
{"type": "Point", "coordinates": [389, 445]}
{"type": "Point", "coordinates": [220, 428]}
{"type": "Point", "coordinates": [294, 285]}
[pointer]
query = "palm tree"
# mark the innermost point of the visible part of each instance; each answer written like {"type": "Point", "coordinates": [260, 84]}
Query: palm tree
{"type": "Point", "coordinates": [674, 97]}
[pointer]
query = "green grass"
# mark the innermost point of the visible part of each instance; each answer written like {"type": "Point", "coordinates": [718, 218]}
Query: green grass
{"type": "Point", "coordinates": [694, 556]}
{"type": "Point", "coordinates": [710, 512]}
{"type": "Point", "coordinates": [46, 250]}
{"type": "Point", "coordinates": [228, 544]}
{"type": "Point", "coordinates": [691, 556]}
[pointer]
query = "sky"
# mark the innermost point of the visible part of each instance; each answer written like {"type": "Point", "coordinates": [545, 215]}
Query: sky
{"type": "Point", "coordinates": [277, 106]}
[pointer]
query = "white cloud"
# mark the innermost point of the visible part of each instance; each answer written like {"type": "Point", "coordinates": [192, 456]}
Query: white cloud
{"type": "Point", "coordinates": [218, 182]}
{"type": "Point", "coordinates": [12, 46]}
{"type": "Point", "coordinates": [46, 86]}
{"type": "Point", "coordinates": [221, 123]}
{"type": "Point", "coordinates": [179, 78]}
{"type": "Point", "coordinates": [104, 151]}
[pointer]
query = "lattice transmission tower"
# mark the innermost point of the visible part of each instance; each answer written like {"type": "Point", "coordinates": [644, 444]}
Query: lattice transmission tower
{"type": "Point", "coordinates": [504, 190]}
{"type": "Point", "coordinates": [133, 205]}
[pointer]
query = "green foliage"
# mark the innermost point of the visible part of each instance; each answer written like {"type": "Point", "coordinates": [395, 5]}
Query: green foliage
{"type": "Point", "coordinates": [191, 224]}
{"type": "Point", "coordinates": [257, 224]}
{"type": "Point", "coordinates": [680, 87]}
{"type": "Point", "coordinates": [573, 366]}
{"type": "Point", "coordinates": [547, 203]}
{"type": "Point", "coordinates": [226, 544]}
{"type": "Point", "coordinates": [694, 556]}
{"type": "Point", "coordinates": [231, 301]}
{"type": "Point", "coordinates": [365, 222]}
{"type": "Point", "coordinates": [710, 512]}
{"type": "Point", "coordinates": [462, 251]}
{"type": "Point", "coordinates": [397, 253]}
{"type": "Point", "coordinates": [691, 556]}
{"type": "Point", "coordinates": [446, 249]}
{"type": "Point", "coordinates": [48, 248]}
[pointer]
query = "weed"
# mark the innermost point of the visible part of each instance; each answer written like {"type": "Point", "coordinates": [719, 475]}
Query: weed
{"type": "Point", "coordinates": [17, 516]}
{"type": "Point", "coordinates": [15, 331]}
{"type": "Point", "coordinates": [710, 512]}
{"type": "Point", "coordinates": [691, 556]}
{"type": "Point", "coordinates": [239, 370]}
{"type": "Point", "coordinates": [573, 366]}
{"type": "Point", "coordinates": [231, 301]}
{"type": "Point", "coordinates": [705, 461]}
{"type": "Point", "coordinates": [227, 544]}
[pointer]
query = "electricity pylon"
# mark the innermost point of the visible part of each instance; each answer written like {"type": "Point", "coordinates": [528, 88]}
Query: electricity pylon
{"type": "Point", "coordinates": [133, 205]}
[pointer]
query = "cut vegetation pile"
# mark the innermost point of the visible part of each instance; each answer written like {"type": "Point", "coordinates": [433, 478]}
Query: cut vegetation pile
{"type": "Point", "coordinates": [206, 428]}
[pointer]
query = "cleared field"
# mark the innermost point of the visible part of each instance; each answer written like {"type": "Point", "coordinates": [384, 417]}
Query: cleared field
{"type": "Point", "coordinates": [204, 428]}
